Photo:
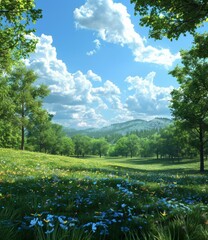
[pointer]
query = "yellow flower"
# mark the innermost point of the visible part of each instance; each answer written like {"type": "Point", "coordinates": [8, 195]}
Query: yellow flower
{"type": "Point", "coordinates": [164, 214]}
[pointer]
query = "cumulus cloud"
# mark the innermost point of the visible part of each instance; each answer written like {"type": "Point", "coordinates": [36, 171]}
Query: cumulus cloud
{"type": "Point", "coordinates": [112, 23]}
{"type": "Point", "coordinates": [76, 102]}
{"type": "Point", "coordinates": [93, 76]}
{"type": "Point", "coordinates": [73, 99]}
{"type": "Point", "coordinates": [147, 98]}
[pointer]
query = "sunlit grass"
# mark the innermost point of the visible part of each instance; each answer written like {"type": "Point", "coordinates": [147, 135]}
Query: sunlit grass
{"type": "Point", "coordinates": [53, 197]}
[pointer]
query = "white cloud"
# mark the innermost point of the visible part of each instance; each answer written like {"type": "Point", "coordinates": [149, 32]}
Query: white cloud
{"type": "Point", "coordinates": [73, 98]}
{"type": "Point", "coordinates": [93, 76]}
{"type": "Point", "coordinates": [113, 24]}
{"type": "Point", "coordinates": [108, 89]}
{"type": "Point", "coordinates": [76, 102]}
{"type": "Point", "coordinates": [97, 47]}
{"type": "Point", "coordinates": [147, 98]}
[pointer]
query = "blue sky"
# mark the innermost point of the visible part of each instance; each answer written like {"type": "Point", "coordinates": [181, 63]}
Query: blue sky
{"type": "Point", "coordinates": [100, 65]}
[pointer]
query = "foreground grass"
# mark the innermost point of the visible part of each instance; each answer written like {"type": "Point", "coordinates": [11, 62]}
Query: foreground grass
{"type": "Point", "coordinates": [52, 198]}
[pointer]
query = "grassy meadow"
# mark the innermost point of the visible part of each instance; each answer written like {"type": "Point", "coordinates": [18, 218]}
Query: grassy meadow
{"type": "Point", "coordinates": [47, 197]}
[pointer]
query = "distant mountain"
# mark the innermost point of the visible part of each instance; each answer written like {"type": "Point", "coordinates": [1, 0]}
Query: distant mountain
{"type": "Point", "coordinates": [122, 128]}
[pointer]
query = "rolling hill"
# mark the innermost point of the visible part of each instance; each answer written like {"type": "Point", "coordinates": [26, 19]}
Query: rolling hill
{"type": "Point", "coordinates": [122, 128]}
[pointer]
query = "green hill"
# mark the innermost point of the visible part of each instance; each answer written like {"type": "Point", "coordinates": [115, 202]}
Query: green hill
{"type": "Point", "coordinates": [122, 128]}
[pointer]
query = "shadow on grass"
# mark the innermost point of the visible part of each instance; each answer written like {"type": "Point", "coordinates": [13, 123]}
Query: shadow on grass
{"type": "Point", "coordinates": [154, 161]}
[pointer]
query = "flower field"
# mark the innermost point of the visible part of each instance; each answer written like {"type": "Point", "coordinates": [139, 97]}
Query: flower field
{"type": "Point", "coordinates": [53, 198]}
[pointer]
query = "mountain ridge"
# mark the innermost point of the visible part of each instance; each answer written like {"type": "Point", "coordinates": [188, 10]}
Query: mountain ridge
{"type": "Point", "coordinates": [122, 128]}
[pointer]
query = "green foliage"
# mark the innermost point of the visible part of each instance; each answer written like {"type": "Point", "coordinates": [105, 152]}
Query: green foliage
{"type": "Point", "coordinates": [189, 104]}
{"type": "Point", "coordinates": [23, 119]}
{"type": "Point", "coordinates": [9, 135]}
{"type": "Point", "coordinates": [133, 145]}
{"type": "Point", "coordinates": [81, 145]}
{"type": "Point", "coordinates": [27, 98]}
{"type": "Point", "coordinates": [67, 146]}
{"type": "Point", "coordinates": [16, 19]}
{"type": "Point", "coordinates": [127, 145]}
{"type": "Point", "coordinates": [100, 146]}
{"type": "Point", "coordinates": [121, 148]}
{"type": "Point", "coordinates": [171, 18]}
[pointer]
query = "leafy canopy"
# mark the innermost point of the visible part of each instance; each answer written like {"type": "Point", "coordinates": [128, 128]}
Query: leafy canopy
{"type": "Point", "coordinates": [171, 18]}
{"type": "Point", "coordinates": [16, 17]}
{"type": "Point", "coordinates": [189, 102]}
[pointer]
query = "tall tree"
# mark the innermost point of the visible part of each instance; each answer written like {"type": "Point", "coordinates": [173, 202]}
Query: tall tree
{"type": "Point", "coordinates": [26, 96]}
{"type": "Point", "coordinates": [171, 18]}
{"type": "Point", "coordinates": [133, 144]}
{"type": "Point", "coordinates": [189, 103]}
{"type": "Point", "coordinates": [16, 18]}
{"type": "Point", "coordinates": [100, 146]}
{"type": "Point", "coordinates": [67, 146]}
{"type": "Point", "coordinates": [121, 147]}
{"type": "Point", "coordinates": [81, 145]}
{"type": "Point", "coordinates": [38, 135]}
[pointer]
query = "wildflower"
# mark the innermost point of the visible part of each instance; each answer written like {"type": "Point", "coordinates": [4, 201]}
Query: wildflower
{"type": "Point", "coordinates": [40, 223]}
{"type": "Point", "coordinates": [125, 229]}
{"type": "Point", "coordinates": [61, 220]}
{"type": "Point", "coordinates": [49, 231]}
{"type": "Point", "coordinates": [33, 222]}
{"type": "Point", "coordinates": [64, 227]}
{"type": "Point", "coordinates": [94, 228]}
{"type": "Point", "coordinates": [164, 214]}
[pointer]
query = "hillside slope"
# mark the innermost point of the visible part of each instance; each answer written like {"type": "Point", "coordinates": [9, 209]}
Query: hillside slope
{"type": "Point", "coordinates": [122, 128]}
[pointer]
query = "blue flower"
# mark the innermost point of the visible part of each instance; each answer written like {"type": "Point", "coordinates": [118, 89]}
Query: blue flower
{"type": "Point", "coordinates": [125, 229]}
{"type": "Point", "coordinates": [49, 231]}
{"type": "Point", "coordinates": [33, 222]}
{"type": "Point", "coordinates": [64, 227]}
{"type": "Point", "coordinates": [40, 223]}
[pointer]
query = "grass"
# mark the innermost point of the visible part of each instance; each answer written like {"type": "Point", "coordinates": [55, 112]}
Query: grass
{"type": "Point", "coordinates": [47, 197]}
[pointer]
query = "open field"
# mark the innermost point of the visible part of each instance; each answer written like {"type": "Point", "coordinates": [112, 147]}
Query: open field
{"type": "Point", "coordinates": [53, 198]}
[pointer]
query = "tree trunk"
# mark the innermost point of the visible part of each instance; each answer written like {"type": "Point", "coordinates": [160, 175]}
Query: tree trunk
{"type": "Point", "coordinates": [201, 148]}
{"type": "Point", "coordinates": [23, 138]}
{"type": "Point", "coordinates": [23, 129]}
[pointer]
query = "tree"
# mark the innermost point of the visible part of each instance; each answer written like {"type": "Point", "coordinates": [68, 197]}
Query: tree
{"type": "Point", "coordinates": [133, 144]}
{"type": "Point", "coordinates": [156, 143]}
{"type": "Point", "coordinates": [146, 149]}
{"type": "Point", "coordinates": [39, 135]}
{"type": "Point", "coordinates": [16, 18]}
{"type": "Point", "coordinates": [54, 139]}
{"type": "Point", "coordinates": [26, 97]}
{"type": "Point", "coordinates": [171, 142]}
{"type": "Point", "coordinates": [100, 146]}
{"type": "Point", "coordinates": [7, 105]}
{"type": "Point", "coordinates": [121, 147]}
{"type": "Point", "coordinates": [9, 135]}
{"type": "Point", "coordinates": [66, 146]}
{"type": "Point", "coordinates": [81, 145]}
{"type": "Point", "coordinates": [171, 18]}
{"type": "Point", "coordinates": [189, 104]}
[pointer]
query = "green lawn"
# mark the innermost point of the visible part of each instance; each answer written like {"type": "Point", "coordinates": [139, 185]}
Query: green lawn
{"type": "Point", "coordinates": [53, 197]}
